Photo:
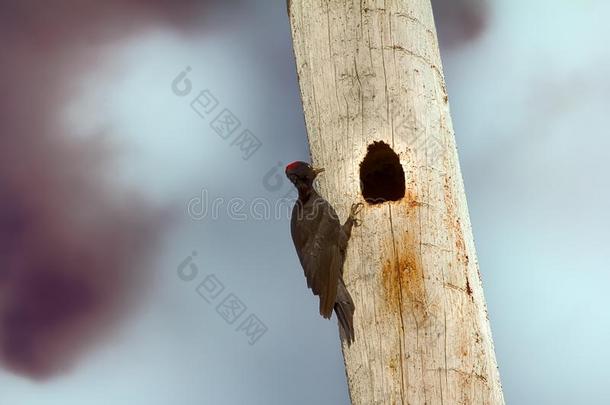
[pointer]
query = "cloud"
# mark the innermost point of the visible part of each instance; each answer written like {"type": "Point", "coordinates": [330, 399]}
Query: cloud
{"type": "Point", "coordinates": [459, 21]}
{"type": "Point", "coordinates": [73, 246]}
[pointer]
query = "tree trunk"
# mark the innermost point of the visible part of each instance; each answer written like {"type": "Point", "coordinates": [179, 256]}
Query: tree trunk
{"type": "Point", "coordinates": [371, 79]}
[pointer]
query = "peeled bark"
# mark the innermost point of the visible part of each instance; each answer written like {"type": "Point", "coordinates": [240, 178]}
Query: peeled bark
{"type": "Point", "coordinates": [371, 82]}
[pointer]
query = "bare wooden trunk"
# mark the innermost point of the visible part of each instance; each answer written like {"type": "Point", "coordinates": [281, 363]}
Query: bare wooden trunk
{"type": "Point", "coordinates": [371, 71]}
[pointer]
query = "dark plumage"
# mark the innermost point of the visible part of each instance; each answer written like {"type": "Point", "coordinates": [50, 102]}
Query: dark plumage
{"type": "Point", "coordinates": [321, 243]}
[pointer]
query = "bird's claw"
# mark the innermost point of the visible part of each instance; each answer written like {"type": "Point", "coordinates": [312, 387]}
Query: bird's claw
{"type": "Point", "coordinates": [356, 208]}
{"type": "Point", "coordinates": [354, 211]}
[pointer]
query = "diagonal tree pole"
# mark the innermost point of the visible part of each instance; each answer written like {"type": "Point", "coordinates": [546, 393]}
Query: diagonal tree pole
{"type": "Point", "coordinates": [377, 117]}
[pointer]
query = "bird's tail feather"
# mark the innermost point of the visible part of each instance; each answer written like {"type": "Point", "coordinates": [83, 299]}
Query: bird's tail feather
{"type": "Point", "coordinates": [344, 308]}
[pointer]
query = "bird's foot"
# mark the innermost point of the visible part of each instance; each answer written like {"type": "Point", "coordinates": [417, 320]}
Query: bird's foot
{"type": "Point", "coordinates": [354, 212]}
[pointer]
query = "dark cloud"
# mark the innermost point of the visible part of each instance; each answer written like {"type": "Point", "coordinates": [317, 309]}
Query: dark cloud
{"type": "Point", "coordinates": [73, 247]}
{"type": "Point", "coordinates": [459, 21]}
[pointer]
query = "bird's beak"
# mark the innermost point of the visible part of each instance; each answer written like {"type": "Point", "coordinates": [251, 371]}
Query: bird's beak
{"type": "Point", "coordinates": [318, 170]}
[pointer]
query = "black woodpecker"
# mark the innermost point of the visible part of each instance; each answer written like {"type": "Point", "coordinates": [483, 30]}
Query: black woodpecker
{"type": "Point", "coordinates": [321, 243]}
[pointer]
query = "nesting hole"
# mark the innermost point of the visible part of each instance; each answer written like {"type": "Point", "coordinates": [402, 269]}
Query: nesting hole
{"type": "Point", "coordinates": [381, 176]}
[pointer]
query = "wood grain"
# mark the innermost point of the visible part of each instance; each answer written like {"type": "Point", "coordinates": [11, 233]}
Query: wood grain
{"type": "Point", "coordinates": [371, 71]}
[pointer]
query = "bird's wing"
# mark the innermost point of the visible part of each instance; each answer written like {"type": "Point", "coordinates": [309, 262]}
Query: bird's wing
{"type": "Point", "coordinates": [322, 259]}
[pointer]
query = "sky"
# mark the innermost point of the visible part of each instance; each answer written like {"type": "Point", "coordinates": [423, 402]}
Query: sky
{"type": "Point", "coordinates": [105, 153]}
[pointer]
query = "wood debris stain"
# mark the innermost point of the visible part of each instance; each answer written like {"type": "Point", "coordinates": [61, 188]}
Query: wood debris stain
{"type": "Point", "coordinates": [403, 274]}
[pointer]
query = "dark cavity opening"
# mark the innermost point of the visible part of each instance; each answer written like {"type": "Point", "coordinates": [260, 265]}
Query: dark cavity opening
{"type": "Point", "coordinates": [381, 176]}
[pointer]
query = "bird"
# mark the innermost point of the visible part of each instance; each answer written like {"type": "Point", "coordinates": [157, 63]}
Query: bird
{"type": "Point", "coordinates": [321, 245]}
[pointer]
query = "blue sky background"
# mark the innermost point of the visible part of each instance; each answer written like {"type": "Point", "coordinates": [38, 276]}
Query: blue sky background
{"type": "Point", "coordinates": [529, 101]}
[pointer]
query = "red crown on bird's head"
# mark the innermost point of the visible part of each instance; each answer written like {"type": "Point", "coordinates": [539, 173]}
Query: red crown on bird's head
{"type": "Point", "coordinates": [294, 165]}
